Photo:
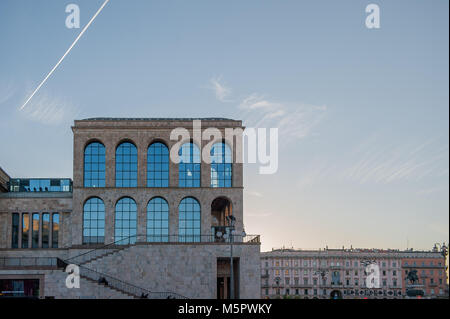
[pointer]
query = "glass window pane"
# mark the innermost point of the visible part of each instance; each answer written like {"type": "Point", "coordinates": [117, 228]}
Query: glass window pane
{"type": "Point", "coordinates": [221, 165]}
{"type": "Point", "coordinates": [125, 221]}
{"type": "Point", "coordinates": [25, 229]}
{"type": "Point", "coordinates": [94, 167]}
{"type": "Point", "coordinates": [158, 220]}
{"type": "Point", "coordinates": [189, 211]}
{"type": "Point", "coordinates": [55, 230]}
{"type": "Point", "coordinates": [126, 165]}
{"type": "Point", "coordinates": [158, 165]}
{"type": "Point", "coordinates": [189, 164]}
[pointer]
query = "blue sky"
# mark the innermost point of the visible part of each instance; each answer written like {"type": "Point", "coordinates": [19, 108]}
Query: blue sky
{"type": "Point", "coordinates": [362, 113]}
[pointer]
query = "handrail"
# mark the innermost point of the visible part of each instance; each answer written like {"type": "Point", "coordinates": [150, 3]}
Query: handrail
{"type": "Point", "coordinates": [132, 240]}
{"type": "Point", "coordinates": [123, 286]}
{"type": "Point", "coordinates": [102, 247]}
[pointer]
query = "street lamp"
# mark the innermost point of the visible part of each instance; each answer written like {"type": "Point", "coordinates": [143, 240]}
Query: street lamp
{"type": "Point", "coordinates": [231, 222]}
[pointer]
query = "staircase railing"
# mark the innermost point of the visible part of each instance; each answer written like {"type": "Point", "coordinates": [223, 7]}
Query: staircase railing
{"type": "Point", "coordinates": [120, 285]}
{"type": "Point", "coordinates": [132, 240]}
{"type": "Point", "coordinates": [99, 251]}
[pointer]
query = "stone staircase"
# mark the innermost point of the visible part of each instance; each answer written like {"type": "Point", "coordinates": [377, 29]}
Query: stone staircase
{"type": "Point", "coordinates": [88, 262]}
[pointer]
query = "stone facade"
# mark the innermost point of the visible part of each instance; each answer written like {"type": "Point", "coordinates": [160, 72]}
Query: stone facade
{"type": "Point", "coordinates": [341, 273]}
{"type": "Point", "coordinates": [183, 268]}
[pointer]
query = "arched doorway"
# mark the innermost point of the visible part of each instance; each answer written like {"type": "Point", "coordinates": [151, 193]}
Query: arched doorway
{"type": "Point", "coordinates": [336, 294]}
{"type": "Point", "coordinates": [221, 208]}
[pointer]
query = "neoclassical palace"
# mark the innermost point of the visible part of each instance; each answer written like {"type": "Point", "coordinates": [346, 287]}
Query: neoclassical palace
{"type": "Point", "coordinates": [135, 223]}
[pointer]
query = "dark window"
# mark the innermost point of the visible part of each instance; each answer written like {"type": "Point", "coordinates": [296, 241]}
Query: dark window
{"type": "Point", "coordinates": [94, 165]}
{"type": "Point", "coordinates": [25, 229]}
{"type": "Point", "coordinates": [158, 220]}
{"type": "Point", "coordinates": [221, 165]}
{"type": "Point", "coordinates": [45, 230]}
{"type": "Point", "coordinates": [126, 165]}
{"type": "Point", "coordinates": [158, 165]}
{"type": "Point", "coordinates": [126, 221]}
{"type": "Point", "coordinates": [15, 230]}
{"type": "Point", "coordinates": [94, 221]}
{"type": "Point", "coordinates": [55, 230]}
{"type": "Point", "coordinates": [35, 237]}
{"type": "Point", "coordinates": [189, 220]}
{"type": "Point", "coordinates": [189, 166]}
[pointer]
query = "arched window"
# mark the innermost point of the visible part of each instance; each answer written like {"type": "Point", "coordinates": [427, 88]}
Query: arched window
{"type": "Point", "coordinates": [126, 165]}
{"type": "Point", "coordinates": [94, 165]}
{"type": "Point", "coordinates": [125, 221]}
{"type": "Point", "coordinates": [94, 221]}
{"type": "Point", "coordinates": [158, 165]}
{"type": "Point", "coordinates": [189, 167]}
{"type": "Point", "coordinates": [158, 220]}
{"type": "Point", "coordinates": [221, 165]}
{"type": "Point", "coordinates": [189, 220]}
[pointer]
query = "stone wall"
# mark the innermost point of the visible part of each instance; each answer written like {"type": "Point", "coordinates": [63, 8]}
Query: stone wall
{"type": "Point", "coordinates": [186, 269]}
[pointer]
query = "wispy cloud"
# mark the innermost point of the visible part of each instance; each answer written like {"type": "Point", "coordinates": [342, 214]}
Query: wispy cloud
{"type": "Point", "coordinates": [293, 120]}
{"type": "Point", "coordinates": [432, 190]}
{"type": "Point", "coordinates": [6, 92]}
{"type": "Point", "coordinates": [221, 91]}
{"type": "Point", "coordinates": [50, 110]}
{"type": "Point", "coordinates": [379, 161]}
{"type": "Point", "coordinates": [254, 193]}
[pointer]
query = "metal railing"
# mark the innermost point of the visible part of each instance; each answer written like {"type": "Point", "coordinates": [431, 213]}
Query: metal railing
{"type": "Point", "coordinates": [28, 262]}
{"type": "Point", "coordinates": [155, 239]}
{"type": "Point", "coordinates": [122, 286]}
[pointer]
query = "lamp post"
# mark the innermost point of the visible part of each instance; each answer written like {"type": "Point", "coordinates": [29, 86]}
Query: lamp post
{"type": "Point", "coordinates": [231, 221]}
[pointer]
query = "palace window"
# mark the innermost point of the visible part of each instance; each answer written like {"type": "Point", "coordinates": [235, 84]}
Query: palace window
{"type": "Point", "coordinates": [45, 230]}
{"type": "Point", "coordinates": [221, 165]}
{"type": "Point", "coordinates": [94, 221]}
{"type": "Point", "coordinates": [35, 231]}
{"type": "Point", "coordinates": [158, 165]}
{"type": "Point", "coordinates": [189, 220]}
{"type": "Point", "coordinates": [15, 230]}
{"type": "Point", "coordinates": [190, 166]}
{"type": "Point", "coordinates": [94, 165]}
{"type": "Point", "coordinates": [126, 165]}
{"type": "Point", "coordinates": [158, 220]}
{"type": "Point", "coordinates": [125, 221]}
{"type": "Point", "coordinates": [25, 229]}
{"type": "Point", "coordinates": [55, 230]}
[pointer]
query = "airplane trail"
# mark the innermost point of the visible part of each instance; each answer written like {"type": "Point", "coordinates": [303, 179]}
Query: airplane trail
{"type": "Point", "coordinates": [67, 52]}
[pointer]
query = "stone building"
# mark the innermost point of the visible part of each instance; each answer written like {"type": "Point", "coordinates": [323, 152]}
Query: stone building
{"type": "Point", "coordinates": [134, 221]}
{"type": "Point", "coordinates": [342, 273]}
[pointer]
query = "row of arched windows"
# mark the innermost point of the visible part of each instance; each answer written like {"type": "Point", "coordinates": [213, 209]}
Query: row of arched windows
{"type": "Point", "coordinates": [125, 220]}
{"type": "Point", "coordinates": [189, 169]}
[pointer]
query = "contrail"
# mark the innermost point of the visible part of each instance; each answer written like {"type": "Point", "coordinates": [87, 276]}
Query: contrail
{"type": "Point", "coordinates": [67, 52]}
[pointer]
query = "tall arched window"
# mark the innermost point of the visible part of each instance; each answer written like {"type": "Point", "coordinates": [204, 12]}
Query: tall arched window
{"type": "Point", "coordinates": [126, 165]}
{"type": "Point", "coordinates": [189, 166]}
{"type": "Point", "coordinates": [221, 165]}
{"type": "Point", "coordinates": [189, 220]}
{"type": "Point", "coordinates": [158, 220]}
{"type": "Point", "coordinates": [125, 221]}
{"type": "Point", "coordinates": [158, 165]}
{"type": "Point", "coordinates": [94, 165]}
{"type": "Point", "coordinates": [94, 221]}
